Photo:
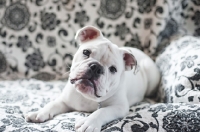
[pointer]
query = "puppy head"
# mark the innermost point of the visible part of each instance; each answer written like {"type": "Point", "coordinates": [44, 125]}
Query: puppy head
{"type": "Point", "coordinates": [98, 65]}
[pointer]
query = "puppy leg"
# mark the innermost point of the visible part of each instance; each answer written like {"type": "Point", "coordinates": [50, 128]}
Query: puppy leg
{"type": "Point", "coordinates": [49, 111]}
{"type": "Point", "coordinates": [94, 122]}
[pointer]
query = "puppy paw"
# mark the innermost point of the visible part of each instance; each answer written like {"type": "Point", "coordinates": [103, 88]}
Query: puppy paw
{"type": "Point", "coordinates": [38, 116]}
{"type": "Point", "coordinates": [87, 125]}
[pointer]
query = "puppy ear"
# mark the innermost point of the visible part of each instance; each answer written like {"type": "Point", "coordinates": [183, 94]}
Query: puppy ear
{"type": "Point", "coordinates": [130, 61]}
{"type": "Point", "coordinates": [87, 33]}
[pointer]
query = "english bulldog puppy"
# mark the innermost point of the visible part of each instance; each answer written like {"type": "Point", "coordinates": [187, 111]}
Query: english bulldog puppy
{"type": "Point", "coordinates": [102, 73]}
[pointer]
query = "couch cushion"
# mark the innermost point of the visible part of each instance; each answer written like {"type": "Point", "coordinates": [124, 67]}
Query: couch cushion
{"type": "Point", "coordinates": [21, 96]}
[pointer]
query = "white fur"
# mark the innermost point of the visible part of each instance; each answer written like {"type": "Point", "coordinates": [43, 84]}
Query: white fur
{"type": "Point", "coordinates": [118, 92]}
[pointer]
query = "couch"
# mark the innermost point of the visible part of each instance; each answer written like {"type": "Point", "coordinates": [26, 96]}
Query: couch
{"type": "Point", "coordinates": [37, 46]}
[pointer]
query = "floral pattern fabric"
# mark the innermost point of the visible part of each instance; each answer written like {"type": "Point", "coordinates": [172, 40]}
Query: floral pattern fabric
{"type": "Point", "coordinates": [21, 96]}
{"type": "Point", "coordinates": [180, 68]}
{"type": "Point", "coordinates": [16, 16]}
{"type": "Point", "coordinates": [37, 36]}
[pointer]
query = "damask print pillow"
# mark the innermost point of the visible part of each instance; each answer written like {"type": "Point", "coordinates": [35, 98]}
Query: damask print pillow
{"type": "Point", "coordinates": [180, 68]}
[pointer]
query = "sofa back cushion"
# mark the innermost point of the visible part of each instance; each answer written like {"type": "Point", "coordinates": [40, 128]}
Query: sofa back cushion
{"type": "Point", "coordinates": [37, 37]}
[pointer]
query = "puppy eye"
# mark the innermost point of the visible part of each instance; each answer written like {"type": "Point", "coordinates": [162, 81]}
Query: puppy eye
{"type": "Point", "coordinates": [112, 69]}
{"type": "Point", "coordinates": [86, 52]}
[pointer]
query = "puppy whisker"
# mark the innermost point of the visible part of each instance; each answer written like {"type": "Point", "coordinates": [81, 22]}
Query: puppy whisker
{"type": "Point", "coordinates": [68, 66]}
{"type": "Point", "coordinates": [66, 73]}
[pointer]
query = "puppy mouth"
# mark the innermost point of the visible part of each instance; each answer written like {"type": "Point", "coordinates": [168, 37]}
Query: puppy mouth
{"type": "Point", "coordinates": [87, 82]}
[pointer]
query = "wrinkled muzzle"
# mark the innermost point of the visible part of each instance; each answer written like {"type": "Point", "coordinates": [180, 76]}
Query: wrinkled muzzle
{"type": "Point", "coordinates": [86, 81]}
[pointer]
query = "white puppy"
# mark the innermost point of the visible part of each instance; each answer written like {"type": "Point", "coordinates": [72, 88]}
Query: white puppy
{"type": "Point", "coordinates": [102, 73]}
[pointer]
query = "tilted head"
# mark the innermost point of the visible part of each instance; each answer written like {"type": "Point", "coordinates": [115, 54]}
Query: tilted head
{"type": "Point", "coordinates": [98, 65]}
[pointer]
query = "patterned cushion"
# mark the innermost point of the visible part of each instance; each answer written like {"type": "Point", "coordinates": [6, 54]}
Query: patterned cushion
{"type": "Point", "coordinates": [20, 96]}
{"type": "Point", "coordinates": [180, 67]}
{"type": "Point", "coordinates": [36, 36]}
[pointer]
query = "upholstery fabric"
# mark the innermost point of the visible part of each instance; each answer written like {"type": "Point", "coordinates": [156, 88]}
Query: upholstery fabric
{"type": "Point", "coordinates": [37, 36]}
{"type": "Point", "coordinates": [180, 67]}
{"type": "Point", "coordinates": [21, 96]}
{"type": "Point", "coordinates": [37, 41]}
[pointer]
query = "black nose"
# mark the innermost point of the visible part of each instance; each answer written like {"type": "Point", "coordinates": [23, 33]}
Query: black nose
{"type": "Point", "coordinates": [96, 69]}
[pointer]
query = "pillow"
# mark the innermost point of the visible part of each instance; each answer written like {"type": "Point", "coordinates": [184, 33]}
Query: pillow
{"type": "Point", "coordinates": [180, 68]}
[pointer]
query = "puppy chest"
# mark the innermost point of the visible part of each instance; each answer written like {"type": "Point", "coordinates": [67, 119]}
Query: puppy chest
{"type": "Point", "coordinates": [85, 105]}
